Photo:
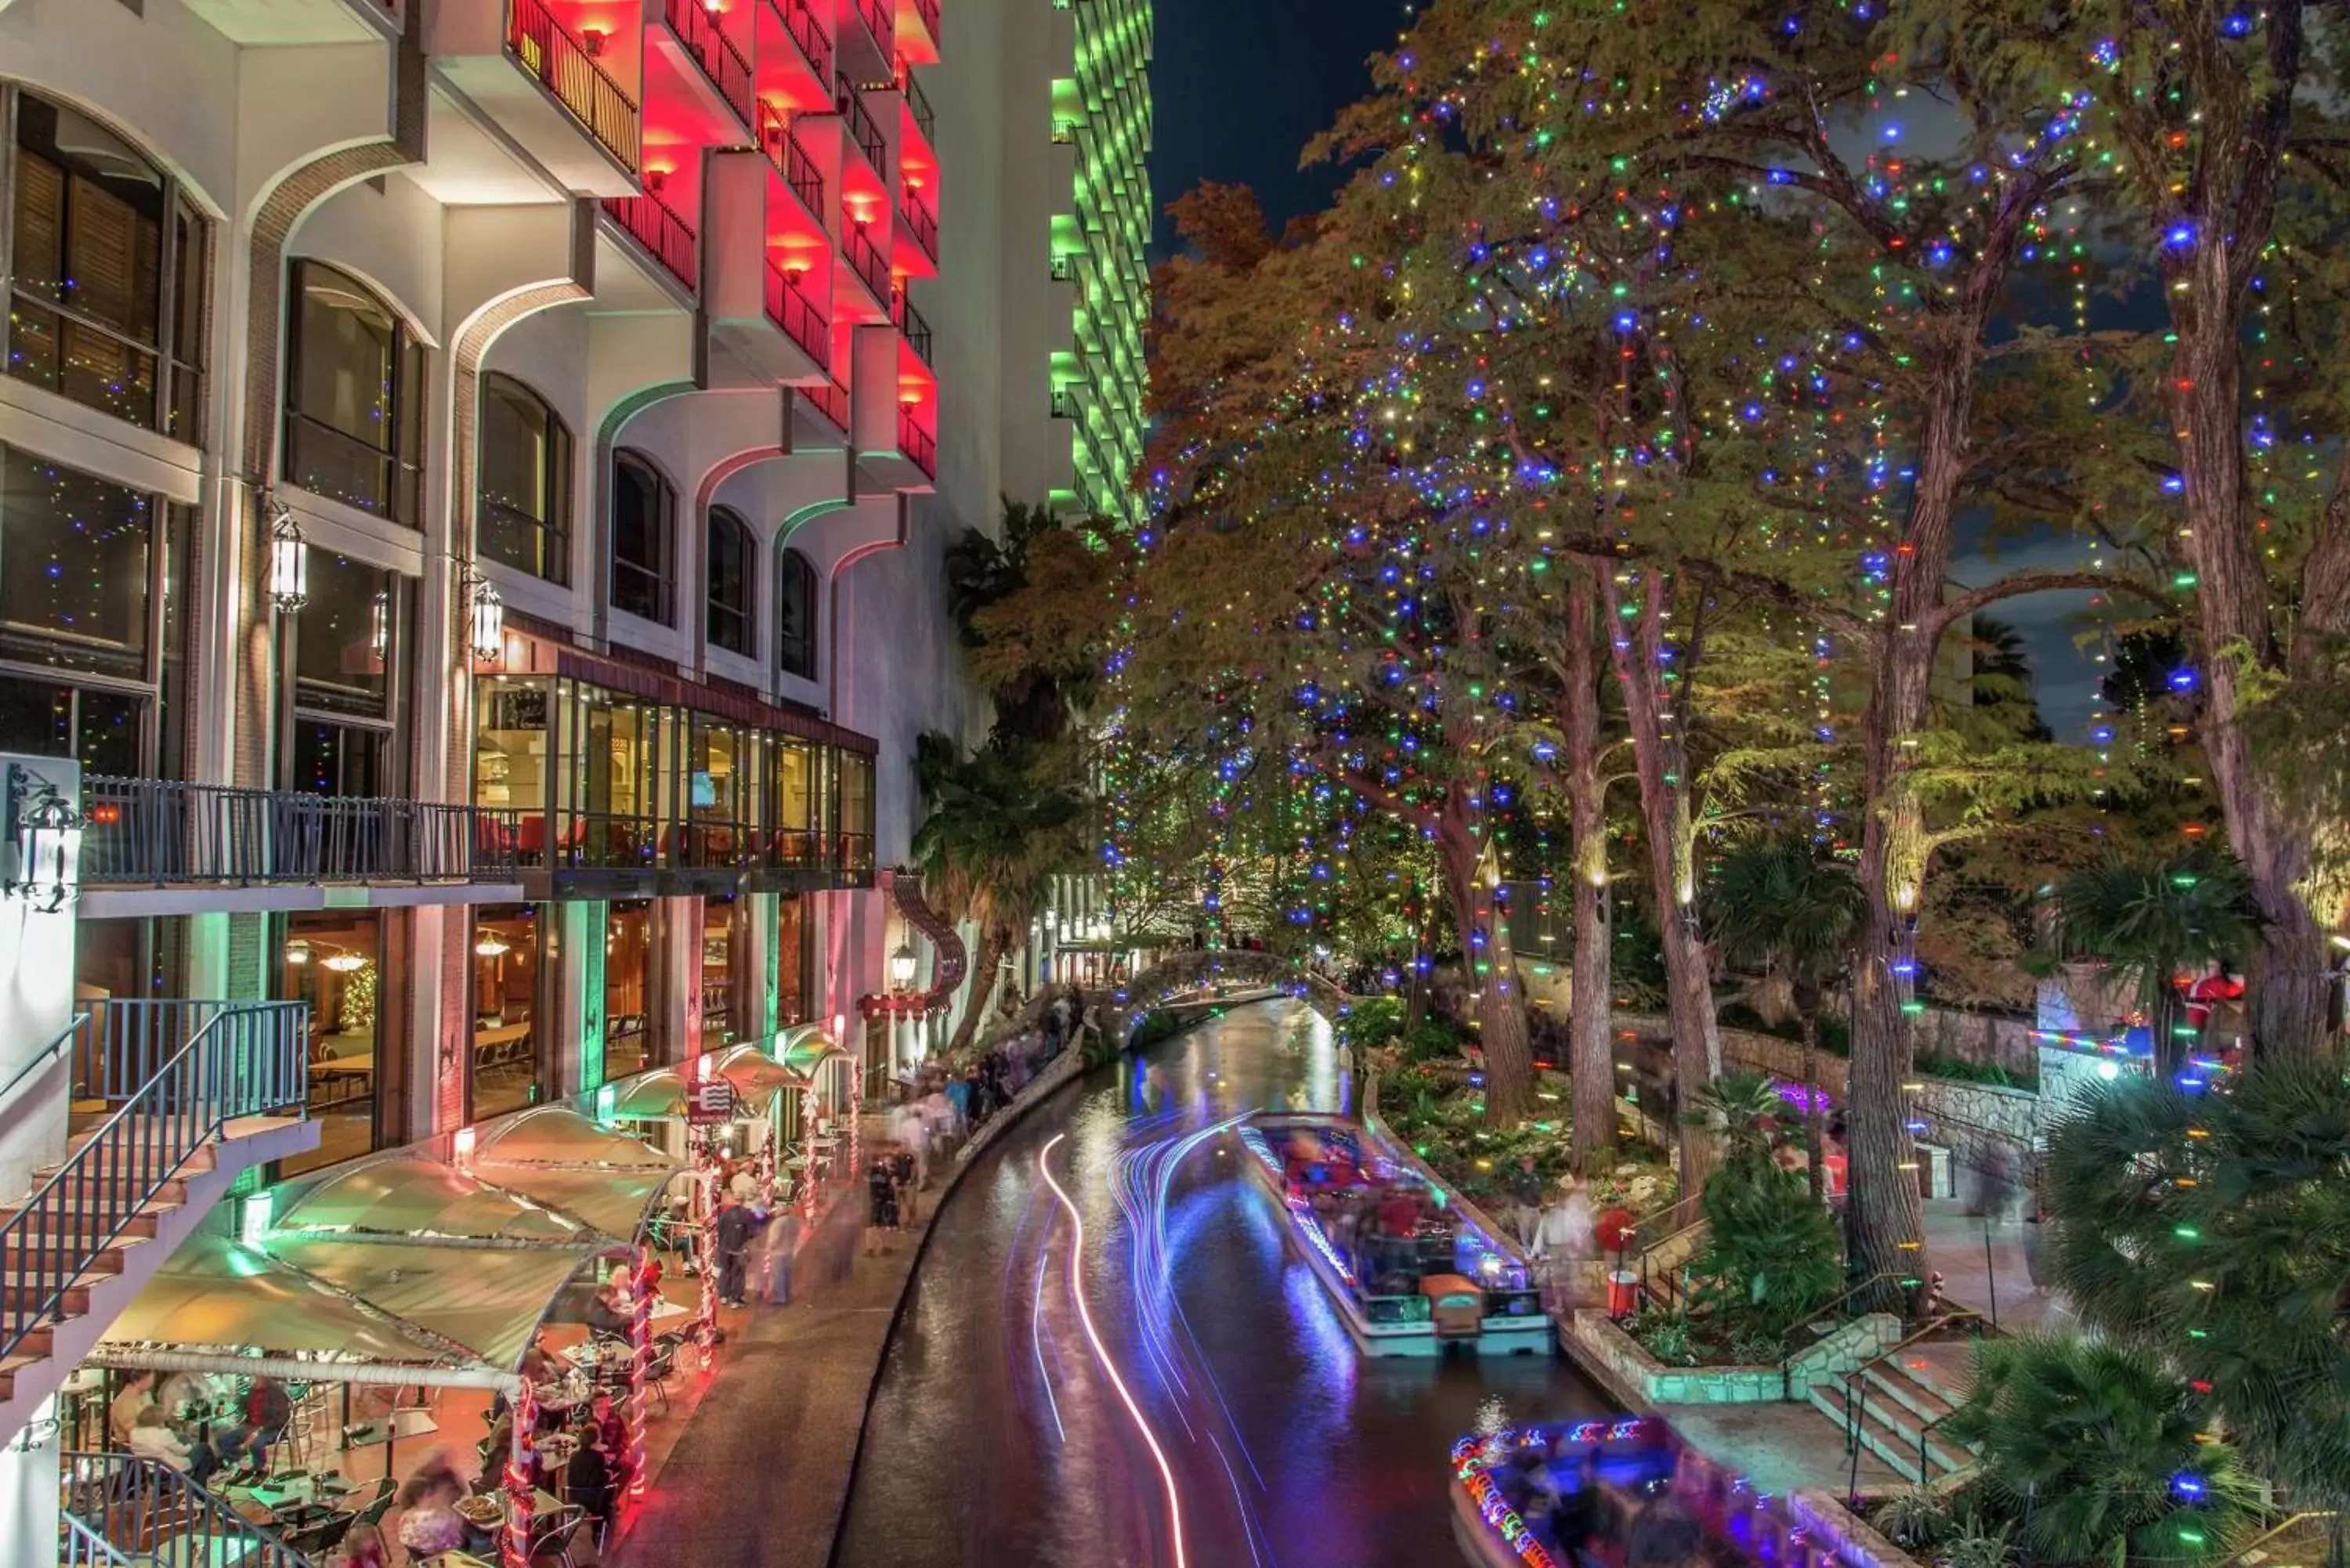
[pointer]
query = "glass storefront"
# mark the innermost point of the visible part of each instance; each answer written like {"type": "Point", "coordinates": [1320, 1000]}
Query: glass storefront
{"type": "Point", "coordinates": [511, 1036]}
{"type": "Point", "coordinates": [717, 972]}
{"type": "Point", "coordinates": [628, 988]}
{"type": "Point", "coordinates": [333, 959]}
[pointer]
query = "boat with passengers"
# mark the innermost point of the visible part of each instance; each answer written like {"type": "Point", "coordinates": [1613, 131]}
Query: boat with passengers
{"type": "Point", "coordinates": [1413, 1267]}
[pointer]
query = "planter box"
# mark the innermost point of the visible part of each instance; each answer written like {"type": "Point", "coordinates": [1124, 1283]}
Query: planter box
{"type": "Point", "coordinates": [1619, 1363]}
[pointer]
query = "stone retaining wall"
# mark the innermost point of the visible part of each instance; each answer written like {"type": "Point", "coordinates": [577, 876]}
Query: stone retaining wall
{"type": "Point", "coordinates": [1619, 1363]}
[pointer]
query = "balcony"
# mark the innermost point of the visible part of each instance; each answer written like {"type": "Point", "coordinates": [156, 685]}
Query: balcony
{"type": "Point", "coordinates": [791, 161]}
{"type": "Point", "coordinates": [861, 128]}
{"type": "Point", "coordinates": [868, 39]}
{"type": "Point", "coordinates": [831, 402]}
{"type": "Point", "coordinates": [567, 69]}
{"type": "Point", "coordinates": [722, 60]}
{"type": "Point", "coordinates": [807, 36]}
{"type": "Point", "coordinates": [864, 258]}
{"type": "Point", "coordinates": [918, 104]}
{"type": "Point", "coordinates": [917, 444]}
{"type": "Point", "coordinates": [791, 309]}
{"type": "Point", "coordinates": [157, 834]}
{"type": "Point", "coordinates": [918, 30]}
{"type": "Point", "coordinates": [663, 235]}
{"type": "Point", "coordinates": [910, 321]}
{"type": "Point", "coordinates": [920, 222]}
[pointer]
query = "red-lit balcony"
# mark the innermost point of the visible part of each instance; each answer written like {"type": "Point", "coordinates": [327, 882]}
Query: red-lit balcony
{"type": "Point", "coordinates": [660, 233]}
{"type": "Point", "coordinates": [868, 39]}
{"type": "Point", "coordinates": [918, 445]}
{"type": "Point", "coordinates": [789, 308]}
{"type": "Point", "coordinates": [866, 264]}
{"type": "Point", "coordinates": [563, 78]}
{"type": "Point", "coordinates": [794, 57]}
{"type": "Point", "coordinates": [701, 68]}
{"type": "Point", "coordinates": [863, 130]}
{"type": "Point", "coordinates": [916, 25]}
{"type": "Point", "coordinates": [828, 405]}
{"type": "Point", "coordinates": [771, 267]}
{"type": "Point", "coordinates": [802, 176]}
{"type": "Point", "coordinates": [920, 114]}
{"type": "Point", "coordinates": [911, 324]}
{"type": "Point", "coordinates": [894, 399]}
{"type": "Point", "coordinates": [922, 228]}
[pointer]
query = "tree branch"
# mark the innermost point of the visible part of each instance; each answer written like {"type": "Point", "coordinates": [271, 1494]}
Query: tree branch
{"type": "Point", "coordinates": [2024, 583]}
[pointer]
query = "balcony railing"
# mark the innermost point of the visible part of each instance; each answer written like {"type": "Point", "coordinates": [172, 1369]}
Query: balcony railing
{"type": "Point", "coordinates": [546, 49]}
{"type": "Point", "coordinates": [928, 10]}
{"type": "Point", "coordinates": [791, 161]}
{"type": "Point", "coordinates": [173, 1075]}
{"type": "Point", "coordinates": [864, 257]}
{"type": "Point", "coordinates": [654, 224]}
{"type": "Point", "coordinates": [831, 400]}
{"type": "Point", "coordinates": [816, 45]}
{"type": "Point", "coordinates": [918, 103]}
{"type": "Point", "coordinates": [919, 219]}
{"type": "Point", "coordinates": [721, 60]}
{"type": "Point", "coordinates": [791, 309]}
{"type": "Point", "coordinates": [869, 141]}
{"type": "Point", "coordinates": [117, 1509]}
{"type": "Point", "coordinates": [156, 832]}
{"type": "Point", "coordinates": [909, 322]}
{"type": "Point", "coordinates": [1064, 266]}
{"type": "Point", "coordinates": [606, 841]}
{"type": "Point", "coordinates": [919, 445]}
{"type": "Point", "coordinates": [882, 21]}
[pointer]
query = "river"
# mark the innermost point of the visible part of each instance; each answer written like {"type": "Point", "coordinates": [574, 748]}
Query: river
{"type": "Point", "coordinates": [1205, 1408]}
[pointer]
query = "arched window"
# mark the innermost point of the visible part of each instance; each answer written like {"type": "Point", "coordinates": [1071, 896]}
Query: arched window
{"type": "Point", "coordinates": [732, 582]}
{"type": "Point", "coordinates": [523, 520]}
{"type": "Point", "coordinates": [354, 396]}
{"type": "Point", "coordinates": [795, 614]}
{"type": "Point", "coordinates": [644, 535]}
{"type": "Point", "coordinates": [108, 281]}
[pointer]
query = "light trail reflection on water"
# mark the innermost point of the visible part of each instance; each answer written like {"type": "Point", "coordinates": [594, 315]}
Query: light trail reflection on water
{"type": "Point", "coordinates": [998, 1436]}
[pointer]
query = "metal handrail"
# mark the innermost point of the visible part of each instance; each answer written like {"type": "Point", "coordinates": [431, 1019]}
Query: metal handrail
{"type": "Point", "coordinates": [720, 58]}
{"type": "Point", "coordinates": [831, 400]}
{"type": "Point", "coordinates": [656, 225]}
{"type": "Point", "coordinates": [863, 257]}
{"type": "Point", "coordinates": [918, 103]}
{"type": "Point", "coordinates": [920, 446]}
{"type": "Point", "coordinates": [882, 21]}
{"type": "Point", "coordinates": [65, 1037]}
{"type": "Point", "coordinates": [919, 218]}
{"type": "Point", "coordinates": [78, 1546]}
{"type": "Point", "coordinates": [861, 128]}
{"type": "Point", "coordinates": [242, 1059]}
{"type": "Point", "coordinates": [911, 323]}
{"type": "Point", "coordinates": [789, 308]}
{"type": "Point", "coordinates": [139, 1509]}
{"type": "Point", "coordinates": [814, 44]}
{"type": "Point", "coordinates": [545, 47]}
{"type": "Point", "coordinates": [928, 10]}
{"type": "Point", "coordinates": [791, 159]}
{"type": "Point", "coordinates": [158, 832]}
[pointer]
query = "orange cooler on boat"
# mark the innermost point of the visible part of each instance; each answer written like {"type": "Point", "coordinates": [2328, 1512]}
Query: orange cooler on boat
{"type": "Point", "coordinates": [1456, 1307]}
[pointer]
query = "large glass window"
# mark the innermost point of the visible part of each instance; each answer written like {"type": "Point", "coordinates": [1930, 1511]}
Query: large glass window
{"type": "Point", "coordinates": [89, 617]}
{"type": "Point", "coordinates": [795, 614]}
{"type": "Point", "coordinates": [796, 795]}
{"type": "Point", "coordinates": [355, 396]}
{"type": "Point", "coordinates": [107, 301]}
{"type": "Point", "coordinates": [333, 959]}
{"type": "Point", "coordinates": [628, 988]}
{"type": "Point", "coordinates": [510, 1041]}
{"type": "Point", "coordinates": [733, 583]}
{"type": "Point", "coordinates": [346, 646]}
{"type": "Point", "coordinates": [644, 531]}
{"type": "Point", "coordinates": [856, 811]}
{"type": "Point", "coordinates": [524, 517]}
{"type": "Point", "coordinates": [717, 972]}
{"type": "Point", "coordinates": [510, 759]}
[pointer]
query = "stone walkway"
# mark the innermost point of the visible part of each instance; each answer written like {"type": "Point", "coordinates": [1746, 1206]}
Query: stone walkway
{"type": "Point", "coordinates": [1997, 1283]}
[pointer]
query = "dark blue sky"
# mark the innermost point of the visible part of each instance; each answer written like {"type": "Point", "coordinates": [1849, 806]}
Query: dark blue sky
{"type": "Point", "coordinates": [1242, 84]}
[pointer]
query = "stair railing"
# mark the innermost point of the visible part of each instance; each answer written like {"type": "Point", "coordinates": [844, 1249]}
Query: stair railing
{"type": "Point", "coordinates": [233, 1059]}
{"type": "Point", "coordinates": [40, 1058]}
{"type": "Point", "coordinates": [129, 1509]}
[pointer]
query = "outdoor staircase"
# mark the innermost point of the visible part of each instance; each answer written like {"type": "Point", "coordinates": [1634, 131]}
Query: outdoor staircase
{"type": "Point", "coordinates": [116, 1511]}
{"type": "Point", "coordinates": [1894, 1407]}
{"type": "Point", "coordinates": [179, 1100]}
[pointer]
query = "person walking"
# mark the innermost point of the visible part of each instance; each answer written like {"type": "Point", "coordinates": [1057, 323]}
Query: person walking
{"type": "Point", "coordinates": [1567, 1237]}
{"type": "Point", "coordinates": [737, 1222]}
{"type": "Point", "coordinates": [881, 1193]}
{"type": "Point", "coordinates": [1525, 1190]}
{"type": "Point", "coordinates": [907, 1173]}
{"type": "Point", "coordinates": [782, 1248]}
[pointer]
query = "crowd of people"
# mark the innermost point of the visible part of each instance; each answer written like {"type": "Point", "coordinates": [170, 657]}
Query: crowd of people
{"type": "Point", "coordinates": [201, 1424]}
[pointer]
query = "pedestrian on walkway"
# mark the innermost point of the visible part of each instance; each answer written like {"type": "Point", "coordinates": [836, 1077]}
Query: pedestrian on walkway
{"type": "Point", "coordinates": [1524, 1187]}
{"type": "Point", "coordinates": [783, 1249]}
{"type": "Point", "coordinates": [737, 1223]}
{"type": "Point", "coordinates": [881, 1191]}
{"type": "Point", "coordinates": [907, 1173]}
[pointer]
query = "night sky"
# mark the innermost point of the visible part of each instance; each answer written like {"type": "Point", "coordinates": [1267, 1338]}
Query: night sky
{"type": "Point", "coordinates": [1241, 85]}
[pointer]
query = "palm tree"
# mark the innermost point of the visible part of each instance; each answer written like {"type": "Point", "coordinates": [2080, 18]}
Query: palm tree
{"type": "Point", "coordinates": [2213, 1229]}
{"type": "Point", "coordinates": [2157, 918]}
{"type": "Point", "coordinates": [996, 835]}
{"type": "Point", "coordinates": [2098, 1452]}
{"type": "Point", "coordinates": [1777, 905]}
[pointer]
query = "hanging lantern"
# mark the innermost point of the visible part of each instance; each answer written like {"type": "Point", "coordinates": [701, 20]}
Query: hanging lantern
{"type": "Point", "coordinates": [289, 560]}
{"type": "Point", "coordinates": [487, 618]}
{"type": "Point", "coordinates": [901, 966]}
{"type": "Point", "coordinates": [45, 837]}
{"type": "Point", "coordinates": [379, 625]}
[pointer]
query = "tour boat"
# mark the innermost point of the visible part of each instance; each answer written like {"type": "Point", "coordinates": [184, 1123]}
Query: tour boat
{"type": "Point", "coordinates": [1410, 1265]}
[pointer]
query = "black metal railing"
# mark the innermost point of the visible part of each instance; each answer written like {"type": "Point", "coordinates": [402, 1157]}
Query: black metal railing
{"type": "Point", "coordinates": [920, 446]}
{"type": "Point", "coordinates": [546, 49]}
{"type": "Point", "coordinates": [911, 322]}
{"type": "Point", "coordinates": [655, 224]}
{"type": "Point", "coordinates": [158, 832]}
{"type": "Point", "coordinates": [815, 43]}
{"type": "Point", "coordinates": [720, 58]}
{"type": "Point", "coordinates": [791, 161]}
{"type": "Point", "coordinates": [855, 239]}
{"type": "Point", "coordinates": [928, 10]}
{"type": "Point", "coordinates": [919, 219]}
{"type": "Point", "coordinates": [120, 1508]}
{"type": "Point", "coordinates": [861, 128]}
{"type": "Point", "coordinates": [172, 1073]}
{"type": "Point", "coordinates": [789, 308]}
{"type": "Point", "coordinates": [918, 104]}
{"type": "Point", "coordinates": [831, 400]}
{"type": "Point", "coordinates": [882, 21]}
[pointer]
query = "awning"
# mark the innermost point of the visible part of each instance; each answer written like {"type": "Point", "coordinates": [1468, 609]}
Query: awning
{"type": "Point", "coordinates": [612, 1202]}
{"type": "Point", "coordinates": [805, 1048]}
{"type": "Point", "coordinates": [410, 1198]}
{"type": "Point", "coordinates": [554, 1136]}
{"type": "Point", "coordinates": [650, 1097]}
{"type": "Point", "coordinates": [489, 1301]}
{"type": "Point", "coordinates": [213, 1293]}
{"type": "Point", "coordinates": [756, 1079]}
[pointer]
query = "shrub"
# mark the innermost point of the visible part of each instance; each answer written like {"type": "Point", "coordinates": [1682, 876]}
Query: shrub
{"type": "Point", "coordinates": [1913, 1519]}
{"type": "Point", "coordinates": [1666, 1335]}
{"type": "Point", "coordinates": [1370, 1025]}
{"type": "Point", "coordinates": [1771, 1254]}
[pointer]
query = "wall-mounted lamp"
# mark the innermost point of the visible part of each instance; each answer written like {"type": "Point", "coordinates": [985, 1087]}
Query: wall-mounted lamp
{"type": "Point", "coordinates": [379, 625]}
{"type": "Point", "coordinates": [289, 557]}
{"type": "Point", "coordinates": [297, 951]}
{"type": "Point", "coordinates": [655, 180]}
{"type": "Point", "coordinates": [43, 842]}
{"type": "Point", "coordinates": [486, 619]}
{"type": "Point", "coordinates": [901, 966]}
{"type": "Point", "coordinates": [592, 40]}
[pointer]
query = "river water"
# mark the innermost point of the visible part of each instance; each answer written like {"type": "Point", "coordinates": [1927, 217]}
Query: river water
{"type": "Point", "coordinates": [1205, 1408]}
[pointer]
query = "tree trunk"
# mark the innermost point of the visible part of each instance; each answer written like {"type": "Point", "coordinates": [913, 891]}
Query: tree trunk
{"type": "Point", "coordinates": [1809, 1007]}
{"type": "Point", "coordinates": [1590, 1056]}
{"type": "Point", "coordinates": [1469, 878]}
{"type": "Point", "coordinates": [983, 986]}
{"type": "Point", "coordinates": [1663, 768]}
